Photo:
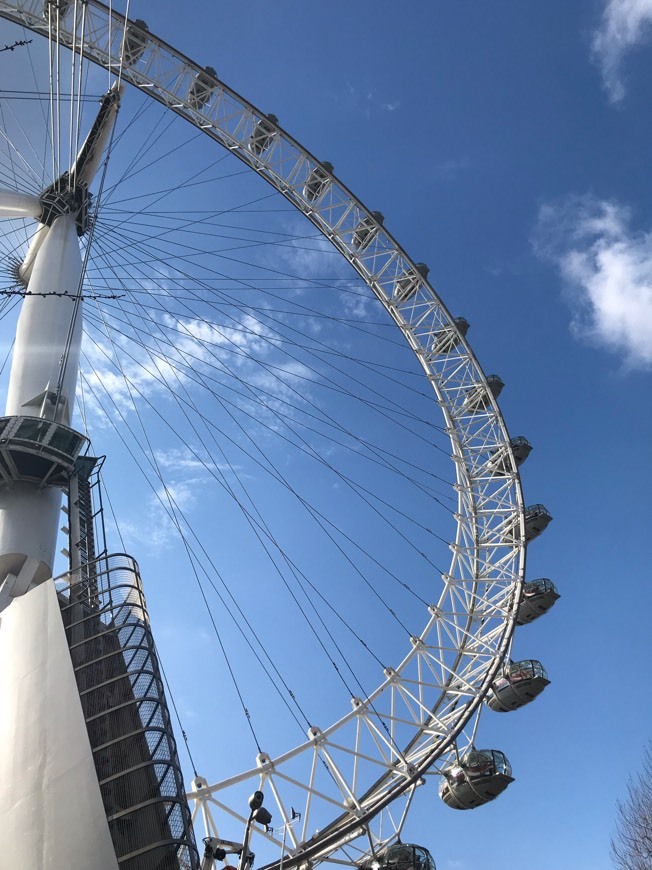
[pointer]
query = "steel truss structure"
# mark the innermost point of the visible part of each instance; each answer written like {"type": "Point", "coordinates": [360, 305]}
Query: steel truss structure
{"type": "Point", "coordinates": [344, 779]}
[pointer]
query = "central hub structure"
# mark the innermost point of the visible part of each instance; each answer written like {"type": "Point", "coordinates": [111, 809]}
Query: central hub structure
{"type": "Point", "coordinates": [63, 198]}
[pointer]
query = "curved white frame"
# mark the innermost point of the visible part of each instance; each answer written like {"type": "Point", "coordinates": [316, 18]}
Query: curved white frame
{"type": "Point", "coordinates": [416, 714]}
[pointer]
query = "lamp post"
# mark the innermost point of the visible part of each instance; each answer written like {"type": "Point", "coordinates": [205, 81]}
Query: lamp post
{"type": "Point", "coordinates": [258, 814]}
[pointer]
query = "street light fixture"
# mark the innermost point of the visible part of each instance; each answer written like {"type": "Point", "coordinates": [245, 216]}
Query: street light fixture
{"type": "Point", "coordinates": [258, 814]}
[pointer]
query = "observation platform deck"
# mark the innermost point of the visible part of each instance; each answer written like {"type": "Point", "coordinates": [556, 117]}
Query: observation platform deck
{"type": "Point", "coordinates": [37, 450]}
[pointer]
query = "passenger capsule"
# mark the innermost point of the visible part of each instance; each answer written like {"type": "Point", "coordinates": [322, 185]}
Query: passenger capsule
{"type": "Point", "coordinates": [407, 285]}
{"type": "Point", "coordinates": [537, 518]}
{"type": "Point", "coordinates": [537, 598]}
{"type": "Point", "coordinates": [135, 41]}
{"type": "Point", "coordinates": [521, 448]}
{"type": "Point", "coordinates": [367, 229]}
{"type": "Point", "coordinates": [58, 8]}
{"type": "Point", "coordinates": [447, 339]}
{"type": "Point", "coordinates": [263, 135]}
{"type": "Point", "coordinates": [477, 398]}
{"type": "Point", "coordinates": [480, 776]}
{"type": "Point", "coordinates": [318, 181]}
{"type": "Point", "coordinates": [202, 87]}
{"type": "Point", "coordinates": [519, 684]}
{"type": "Point", "coordinates": [499, 463]}
{"type": "Point", "coordinates": [401, 856]}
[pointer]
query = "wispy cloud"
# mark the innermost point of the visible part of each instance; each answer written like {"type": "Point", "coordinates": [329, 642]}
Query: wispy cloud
{"type": "Point", "coordinates": [318, 262]}
{"type": "Point", "coordinates": [365, 101]}
{"type": "Point", "coordinates": [191, 460]}
{"type": "Point", "coordinates": [110, 389]}
{"type": "Point", "coordinates": [310, 259]}
{"type": "Point", "coordinates": [117, 374]}
{"type": "Point", "coordinates": [449, 169]}
{"type": "Point", "coordinates": [156, 528]}
{"type": "Point", "coordinates": [625, 24]}
{"type": "Point", "coordinates": [607, 267]}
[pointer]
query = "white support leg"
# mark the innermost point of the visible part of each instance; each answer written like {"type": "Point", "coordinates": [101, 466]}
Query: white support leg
{"type": "Point", "coordinates": [46, 333]}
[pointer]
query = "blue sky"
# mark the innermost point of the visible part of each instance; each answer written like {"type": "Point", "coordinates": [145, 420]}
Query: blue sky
{"type": "Point", "coordinates": [508, 146]}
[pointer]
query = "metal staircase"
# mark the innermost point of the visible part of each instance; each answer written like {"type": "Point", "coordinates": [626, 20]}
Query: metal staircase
{"type": "Point", "coordinates": [121, 691]}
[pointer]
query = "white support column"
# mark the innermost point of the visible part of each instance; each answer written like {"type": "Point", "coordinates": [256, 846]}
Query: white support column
{"type": "Point", "coordinates": [44, 326]}
{"type": "Point", "coordinates": [52, 815]}
{"type": "Point", "coordinates": [46, 334]}
{"type": "Point", "coordinates": [50, 803]}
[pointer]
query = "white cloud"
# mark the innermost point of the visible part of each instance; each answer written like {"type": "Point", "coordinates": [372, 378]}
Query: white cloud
{"type": "Point", "coordinates": [358, 303]}
{"type": "Point", "coordinates": [308, 259]}
{"type": "Point", "coordinates": [607, 268]}
{"type": "Point", "coordinates": [184, 458]}
{"type": "Point", "coordinates": [176, 496]}
{"type": "Point", "coordinates": [624, 25]}
{"type": "Point", "coordinates": [287, 381]}
{"type": "Point", "coordinates": [116, 388]}
{"type": "Point", "coordinates": [449, 169]}
{"type": "Point", "coordinates": [365, 101]}
{"type": "Point", "coordinates": [187, 346]}
{"type": "Point", "coordinates": [156, 528]}
{"type": "Point", "coordinates": [194, 461]}
{"type": "Point", "coordinates": [195, 340]}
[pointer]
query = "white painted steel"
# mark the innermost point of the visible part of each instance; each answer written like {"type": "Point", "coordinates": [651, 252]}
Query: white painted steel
{"type": "Point", "coordinates": [25, 268]}
{"type": "Point", "coordinates": [19, 205]}
{"type": "Point", "coordinates": [50, 803]}
{"type": "Point", "coordinates": [49, 327]}
{"type": "Point", "coordinates": [352, 770]}
{"type": "Point", "coordinates": [97, 144]}
{"type": "Point", "coordinates": [29, 519]}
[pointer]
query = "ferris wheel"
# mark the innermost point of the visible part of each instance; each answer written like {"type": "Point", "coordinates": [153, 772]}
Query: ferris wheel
{"type": "Point", "coordinates": [342, 793]}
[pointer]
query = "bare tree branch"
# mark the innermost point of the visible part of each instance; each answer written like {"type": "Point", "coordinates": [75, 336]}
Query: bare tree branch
{"type": "Point", "coordinates": [631, 847]}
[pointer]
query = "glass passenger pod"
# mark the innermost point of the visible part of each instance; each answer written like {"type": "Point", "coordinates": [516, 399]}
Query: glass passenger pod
{"type": "Point", "coordinates": [520, 683]}
{"type": "Point", "coordinates": [477, 398]}
{"type": "Point", "coordinates": [202, 87]}
{"type": "Point", "coordinates": [401, 856]}
{"type": "Point", "coordinates": [447, 339]}
{"type": "Point", "coordinates": [367, 230]}
{"type": "Point", "coordinates": [521, 449]}
{"type": "Point", "coordinates": [537, 598]}
{"type": "Point", "coordinates": [318, 181]}
{"type": "Point", "coordinates": [37, 450]}
{"type": "Point", "coordinates": [263, 135]}
{"type": "Point", "coordinates": [407, 285]}
{"type": "Point", "coordinates": [537, 518]}
{"type": "Point", "coordinates": [135, 41]}
{"type": "Point", "coordinates": [499, 462]}
{"type": "Point", "coordinates": [479, 777]}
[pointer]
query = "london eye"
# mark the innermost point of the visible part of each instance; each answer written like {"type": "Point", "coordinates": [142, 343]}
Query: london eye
{"type": "Point", "coordinates": [186, 270]}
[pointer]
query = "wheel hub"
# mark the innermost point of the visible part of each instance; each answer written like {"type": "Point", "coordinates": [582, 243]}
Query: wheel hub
{"type": "Point", "coordinates": [61, 198]}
